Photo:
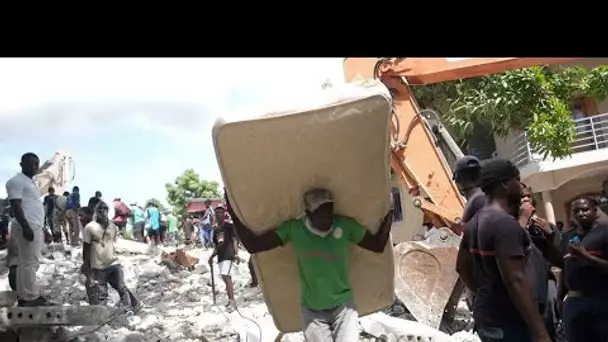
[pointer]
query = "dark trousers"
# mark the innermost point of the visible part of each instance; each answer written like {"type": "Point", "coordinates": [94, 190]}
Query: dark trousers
{"type": "Point", "coordinates": [154, 235]}
{"type": "Point", "coordinates": [586, 319]}
{"type": "Point", "coordinates": [3, 232]}
{"type": "Point", "coordinates": [138, 231]}
{"type": "Point", "coordinates": [254, 278]}
{"type": "Point", "coordinates": [113, 276]}
{"type": "Point", "coordinates": [504, 334]}
{"type": "Point", "coordinates": [12, 277]}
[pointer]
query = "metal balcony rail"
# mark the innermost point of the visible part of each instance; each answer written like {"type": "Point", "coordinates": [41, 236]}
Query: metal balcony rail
{"type": "Point", "coordinates": [591, 134]}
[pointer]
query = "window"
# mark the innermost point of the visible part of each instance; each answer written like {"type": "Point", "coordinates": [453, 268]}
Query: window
{"type": "Point", "coordinates": [397, 207]}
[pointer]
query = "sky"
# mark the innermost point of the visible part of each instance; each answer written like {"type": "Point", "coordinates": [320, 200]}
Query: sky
{"type": "Point", "coordinates": [132, 125]}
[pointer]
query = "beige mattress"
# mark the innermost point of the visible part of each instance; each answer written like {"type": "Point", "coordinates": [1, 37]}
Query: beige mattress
{"type": "Point", "coordinates": [338, 141]}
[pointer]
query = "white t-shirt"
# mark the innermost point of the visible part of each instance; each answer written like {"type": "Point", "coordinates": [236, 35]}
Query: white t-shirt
{"type": "Point", "coordinates": [25, 188]}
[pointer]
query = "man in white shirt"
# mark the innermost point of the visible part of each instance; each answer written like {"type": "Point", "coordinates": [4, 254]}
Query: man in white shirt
{"type": "Point", "coordinates": [27, 229]}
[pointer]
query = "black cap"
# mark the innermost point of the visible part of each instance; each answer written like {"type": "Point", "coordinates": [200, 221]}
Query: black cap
{"type": "Point", "coordinates": [497, 170]}
{"type": "Point", "coordinates": [465, 163]}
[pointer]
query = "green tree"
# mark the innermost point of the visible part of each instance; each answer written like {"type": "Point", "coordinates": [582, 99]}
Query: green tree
{"type": "Point", "coordinates": [157, 203]}
{"type": "Point", "coordinates": [188, 186]}
{"type": "Point", "coordinates": [536, 99]}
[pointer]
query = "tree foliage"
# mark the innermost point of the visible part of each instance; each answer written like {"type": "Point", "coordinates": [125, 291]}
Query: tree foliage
{"type": "Point", "coordinates": [188, 186]}
{"type": "Point", "coordinates": [156, 203]}
{"type": "Point", "coordinates": [536, 99]}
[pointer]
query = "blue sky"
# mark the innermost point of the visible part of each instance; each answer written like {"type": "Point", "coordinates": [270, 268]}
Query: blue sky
{"type": "Point", "coordinates": [131, 125]}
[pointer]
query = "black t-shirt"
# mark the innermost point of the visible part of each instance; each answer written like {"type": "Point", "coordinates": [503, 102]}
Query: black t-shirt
{"type": "Point", "coordinates": [223, 239]}
{"type": "Point", "coordinates": [49, 202]}
{"type": "Point", "coordinates": [476, 202]}
{"type": "Point", "coordinates": [493, 233]}
{"type": "Point", "coordinates": [581, 275]}
{"type": "Point", "coordinates": [93, 201]}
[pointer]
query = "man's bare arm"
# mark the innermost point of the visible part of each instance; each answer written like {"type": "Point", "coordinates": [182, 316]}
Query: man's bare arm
{"type": "Point", "coordinates": [377, 242]}
{"type": "Point", "coordinates": [19, 214]}
{"type": "Point", "coordinates": [464, 267]}
{"type": "Point", "coordinates": [255, 243]}
{"type": "Point", "coordinates": [512, 270]}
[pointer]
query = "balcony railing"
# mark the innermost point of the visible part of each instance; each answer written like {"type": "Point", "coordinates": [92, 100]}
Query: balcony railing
{"type": "Point", "coordinates": [591, 134]}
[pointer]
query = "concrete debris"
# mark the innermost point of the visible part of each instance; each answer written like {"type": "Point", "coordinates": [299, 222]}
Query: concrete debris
{"type": "Point", "coordinates": [178, 300]}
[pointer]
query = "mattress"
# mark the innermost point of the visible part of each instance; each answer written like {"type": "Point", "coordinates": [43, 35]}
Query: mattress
{"type": "Point", "coordinates": [338, 140]}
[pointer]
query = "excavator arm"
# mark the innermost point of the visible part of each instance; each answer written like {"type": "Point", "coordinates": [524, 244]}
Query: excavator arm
{"type": "Point", "coordinates": [425, 276]}
{"type": "Point", "coordinates": [425, 172]}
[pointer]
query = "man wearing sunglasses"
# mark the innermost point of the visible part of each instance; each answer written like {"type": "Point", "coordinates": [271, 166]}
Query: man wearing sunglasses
{"type": "Point", "coordinates": [100, 264]}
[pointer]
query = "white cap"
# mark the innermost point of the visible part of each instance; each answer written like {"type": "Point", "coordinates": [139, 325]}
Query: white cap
{"type": "Point", "coordinates": [314, 198]}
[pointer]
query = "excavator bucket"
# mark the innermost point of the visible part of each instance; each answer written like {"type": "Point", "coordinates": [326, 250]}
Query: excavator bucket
{"type": "Point", "coordinates": [425, 276]}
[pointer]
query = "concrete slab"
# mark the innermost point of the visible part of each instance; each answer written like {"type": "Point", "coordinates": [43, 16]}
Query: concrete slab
{"type": "Point", "coordinates": [57, 316]}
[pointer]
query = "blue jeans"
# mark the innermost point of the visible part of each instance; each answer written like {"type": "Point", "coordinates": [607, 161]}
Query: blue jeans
{"type": "Point", "coordinates": [586, 319]}
{"type": "Point", "coordinates": [206, 235]}
{"type": "Point", "coordinates": [504, 334]}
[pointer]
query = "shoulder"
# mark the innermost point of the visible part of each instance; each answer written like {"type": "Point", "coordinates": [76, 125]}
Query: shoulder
{"type": "Point", "coordinates": [497, 222]}
{"type": "Point", "coordinates": [15, 180]}
{"type": "Point", "coordinates": [347, 222]}
{"type": "Point", "coordinates": [289, 224]}
{"type": "Point", "coordinates": [91, 226]}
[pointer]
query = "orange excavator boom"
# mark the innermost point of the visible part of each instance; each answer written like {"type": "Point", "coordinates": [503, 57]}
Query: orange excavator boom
{"type": "Point", "coordinates": [425, 276]}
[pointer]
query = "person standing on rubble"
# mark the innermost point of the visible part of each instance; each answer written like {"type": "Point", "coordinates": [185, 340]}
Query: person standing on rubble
{"type": "Point", "coordinates": [153, 218]}
{"type": "Point", "coordinates": [466, 174]}
{"type": "Point", "coordinates": [206, 225]}
{"type": "Point", "coordinates": [225, 247]}
{"type": "Point", "coordinates": [583, 286]}
{"type": "Point", "coordinates": [172, 228]}
{"type": "Point", "coordinates": [94, 200]}
{"type": "Point", "coordinates": [100, 264]}
{"type": "Point", "coordinates": [139, 222]}
{"type": "Point", "coordinates": [59, 217]}
{"type": "Point", "coordinates": [321, 241]}
{"type": "Point", "coordinates": [27, 229]}
{"type": "Point", "coordinates": [494, 261]}
{"type": "Point", "coordinates": [72, 207]}
{"type": "Point", "coordinates": [49, 203]}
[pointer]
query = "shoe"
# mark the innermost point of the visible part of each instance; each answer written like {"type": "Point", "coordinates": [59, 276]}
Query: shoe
{"type": "Point", "coordinates": [137, 307]}
{"type": "Point", "coordinates": [40, 301]}
{"type": "Point", "coordinates": [230, 305]}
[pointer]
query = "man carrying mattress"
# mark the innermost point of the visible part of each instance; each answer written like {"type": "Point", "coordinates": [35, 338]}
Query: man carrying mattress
{"type": "Point", "coordinates": [320, 240]}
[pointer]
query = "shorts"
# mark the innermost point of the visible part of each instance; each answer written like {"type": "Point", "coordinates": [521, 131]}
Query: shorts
{"type": "Point", "coordinates": [224, 267]}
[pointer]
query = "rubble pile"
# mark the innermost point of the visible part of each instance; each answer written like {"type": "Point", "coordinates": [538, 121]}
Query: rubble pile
{"type": "Point", "coordinates": [175, 287]}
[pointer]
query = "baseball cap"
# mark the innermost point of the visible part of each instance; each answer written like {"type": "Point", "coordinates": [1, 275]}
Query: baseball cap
{"type": "Point", "coordinates": [314, 198]}
{"type": "Point", "coordinates": [465, 163]}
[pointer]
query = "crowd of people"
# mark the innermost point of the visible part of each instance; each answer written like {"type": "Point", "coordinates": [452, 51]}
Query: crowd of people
{"type": "Point", "coordinates": [506, 260]}
{"type": "Point", "coordinates": [508, 254]}
{"type": "Point", "coordinates": [61, 218]}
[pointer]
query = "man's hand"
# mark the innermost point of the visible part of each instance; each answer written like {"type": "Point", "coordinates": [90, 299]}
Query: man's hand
{"type": "Point", "coordinates": [578, 251]}
{"type": "Point", "coordinates": [388, 217]}
{"type": "Point", "coordinates": [542, 224]}
{"type": "Point", "coordinates": [228, 205]}
{"type": "Point", "coordinates": [28, 233]}
{"type": "Point", "coordinates": [526, 210]}
{"type": "Point", "coordinates": [210, 260]}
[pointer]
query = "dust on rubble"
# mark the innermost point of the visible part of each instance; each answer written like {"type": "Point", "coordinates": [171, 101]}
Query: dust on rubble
{"type": "Point", "coordinates": [175, 286]}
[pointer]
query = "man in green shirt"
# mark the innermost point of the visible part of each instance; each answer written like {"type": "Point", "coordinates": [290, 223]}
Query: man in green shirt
{"type": "Point", "coordinates": [320, 240]}
{"type": "Point", "coordinates": [172, 228]}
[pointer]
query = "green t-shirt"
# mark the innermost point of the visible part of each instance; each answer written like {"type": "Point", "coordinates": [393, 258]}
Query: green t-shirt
{"type": "Point", "coordinates": [323, 261]}
{"type": "Point", "coordinates": [172, 223]}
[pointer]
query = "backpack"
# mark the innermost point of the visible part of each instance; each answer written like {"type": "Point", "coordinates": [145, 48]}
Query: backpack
{"type": "Point", "coordinates": [123, 210]}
